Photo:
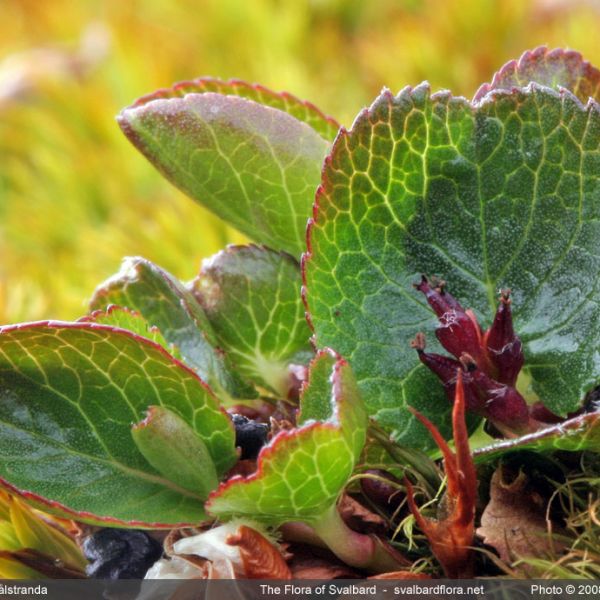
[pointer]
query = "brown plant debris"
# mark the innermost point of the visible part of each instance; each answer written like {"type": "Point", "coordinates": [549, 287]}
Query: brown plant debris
{"type": "Point", "coordinates": [261, 560]}
{"type": "Point", "coordinates": [514, 521]}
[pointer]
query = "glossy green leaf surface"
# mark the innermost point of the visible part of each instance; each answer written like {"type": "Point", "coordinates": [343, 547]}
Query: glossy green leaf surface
{"type": "Point", "coordinates": [574, 435]}
{"type": "Point", "coordinates": [501, 194]}
{"type": "Point", "coordinates": [251, 297]}
{"type": "Point", "coordinates": [69, 393]}
{"type": "Point", "coordinates": [304, 111]}
{"type": "Point", "coordinates": [254, 166]}
{"type": "Point", "coordinates": [302, 471]}
{"type": "Point", "coordinates": [165, 303]}
{"type": "Point", "coordinates": [553, 68]}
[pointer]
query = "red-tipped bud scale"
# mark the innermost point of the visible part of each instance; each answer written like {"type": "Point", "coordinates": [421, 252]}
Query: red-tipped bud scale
{"type": "Point", "coordinates": [437, 297]}
{"type": "Point", "coordinates": [445, 368]}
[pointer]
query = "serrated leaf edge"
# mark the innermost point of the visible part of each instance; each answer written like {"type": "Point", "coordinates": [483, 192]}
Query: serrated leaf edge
{"type": "Point", "coordinates": [542, 52]}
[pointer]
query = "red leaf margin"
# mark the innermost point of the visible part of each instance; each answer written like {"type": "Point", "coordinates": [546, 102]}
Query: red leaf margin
{"type": "Point", "coordinates": [242, 89]}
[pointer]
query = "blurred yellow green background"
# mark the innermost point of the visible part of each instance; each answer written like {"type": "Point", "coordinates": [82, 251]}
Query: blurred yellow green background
{"type": "Point", "coordinates": [75, 197]}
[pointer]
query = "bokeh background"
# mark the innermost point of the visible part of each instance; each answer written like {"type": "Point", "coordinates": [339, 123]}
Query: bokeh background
{"type": "Point", "coordinates": [75, 197]}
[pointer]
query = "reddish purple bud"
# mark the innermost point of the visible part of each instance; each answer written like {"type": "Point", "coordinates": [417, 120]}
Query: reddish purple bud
{"type": "Point", "coordinates": [542, 414]}
{"type": "Point", "coordinates": [503, 347]}
{"type": "Point", "coordinates": [446, 368]}
{"type": "Point", "coordinates": [439, 285]}
{"type": "Point", "coordinates": [459, 332]}
{"type": "Point", "coordinates": [490, 363]}
{"type": "Point", "coordinates": [443, 366]}
{"type": "Point", "coordinates": [507, 407]}
{"type": "Point", "coordinates": [503, 405]}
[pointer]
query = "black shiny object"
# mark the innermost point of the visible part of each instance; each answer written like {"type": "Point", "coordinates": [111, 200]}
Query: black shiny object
{"type": "Point", "coordinates": [592, 401]}
{"type": "Point", "coordinates": [120, 553]}
{"type": "Point", "coordinates": [250, 436]}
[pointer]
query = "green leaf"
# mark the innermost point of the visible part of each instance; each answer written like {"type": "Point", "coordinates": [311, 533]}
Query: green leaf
{"type": "Point", "coordinates": [254, 166]}
{"type": "Point", "coordinates": [304, 111]}
{"type": "Point", "coordinates": [501, 194]}
{"type": "Point", "coordinates": [69, 393]}
{"type": "Point", "coordinates": [251, 297]}
{"type": "Point", "coordinates": [125, 318]}
{"type": "Point", "coordinates": [175, 450]}
{"type": "Point", "coordinates": [573, 435]}
{"type": "Point", "coordinates": [552, 68]}
{"type": "Point", "coordinates": [301, 472]}
{"type": "Point", "coordinates": [165, 303]}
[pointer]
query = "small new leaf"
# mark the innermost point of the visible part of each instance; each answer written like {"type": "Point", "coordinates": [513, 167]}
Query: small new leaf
{"type": "Point", "coordinates": [302, 471]}
{"type": "Point", "coordinates": [175, 450]}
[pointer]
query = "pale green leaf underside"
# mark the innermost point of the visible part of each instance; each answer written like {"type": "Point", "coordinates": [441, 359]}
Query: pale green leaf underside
{"type": "Point", "coordinates": [302, 472]}
{"type": "Point", "coordinates": [251, 297]}
{"type": "Point", "coordinates": [304, 111]}
{"type": "Point", "coordinates": [254, 166]}
{"type": "Point", "coordinates": [165, 303]}
{"type": "Point", "coordinates": [69, 394]}
{"type": "Point", "coordinates": [502, 194]}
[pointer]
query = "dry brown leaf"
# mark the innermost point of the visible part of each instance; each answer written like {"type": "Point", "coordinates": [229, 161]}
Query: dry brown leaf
{"type": "Point", "coordinates": [514, 521]}
{"type": "Point", "coordinates": [451, 535]}
{"type": "Point", "coordinates": [309, 562]}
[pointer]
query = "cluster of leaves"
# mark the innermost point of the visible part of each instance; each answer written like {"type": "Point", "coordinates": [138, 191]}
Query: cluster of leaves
{"type": "Point", "coordinates": [494, 192]}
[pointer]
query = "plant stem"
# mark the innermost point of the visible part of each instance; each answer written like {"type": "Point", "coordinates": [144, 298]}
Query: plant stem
{"type": "Point", "coordinates": [359, 550]}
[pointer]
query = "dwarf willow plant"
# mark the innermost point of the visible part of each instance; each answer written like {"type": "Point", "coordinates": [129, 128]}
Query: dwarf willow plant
{"type": "Point", "coordinates": [120, 418]}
